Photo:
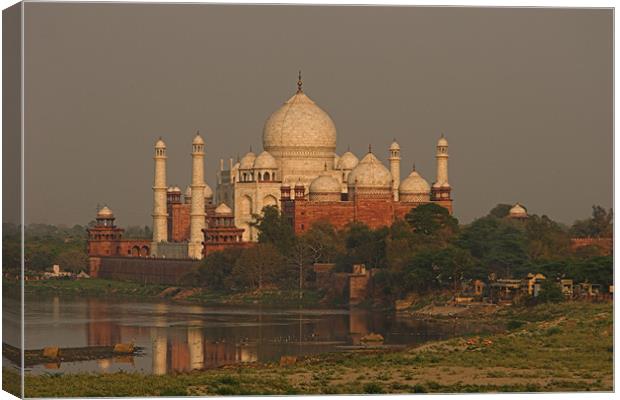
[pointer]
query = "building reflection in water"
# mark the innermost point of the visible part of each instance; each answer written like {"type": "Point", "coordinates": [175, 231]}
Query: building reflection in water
{"type": "Point", "coordinates": [217, 339]}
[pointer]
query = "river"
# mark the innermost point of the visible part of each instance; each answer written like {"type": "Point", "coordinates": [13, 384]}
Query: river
{"type": "Point", "coordinates": [182, 337]}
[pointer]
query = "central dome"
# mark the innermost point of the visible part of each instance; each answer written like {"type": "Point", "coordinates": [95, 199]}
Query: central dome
{"type": "Point", "coordinates": [299, 123]}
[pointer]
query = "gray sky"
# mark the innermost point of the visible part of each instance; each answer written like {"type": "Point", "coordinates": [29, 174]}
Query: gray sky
{"type": "Point", "coordinates": [524, 97]}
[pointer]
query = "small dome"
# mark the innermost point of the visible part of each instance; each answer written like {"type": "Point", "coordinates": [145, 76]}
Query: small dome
{"type": "Point", "coordinates": [325, 184]}
{"type": "Point", "coordinates": [247, 162]}
{"type": "Point", "coordinates": [517, 211]}
{"type": "Point", "coordinates": [105, 212]}
{"type": "Point", "coordinates": [265, 161]}
{"type": "Point", "coordinates": [347, 161]}
{"type": "Point", "coordinates": [198, 139]}
{"type": "Point", "coordinates": [223, 209]}
{"type": "Point", "coordinates": [442, 141]}
{"type": "Point", "coordinates": [370, 172]}
{"type": "Point", "coordinates": [160, 144]}
{"type": "Point", "coordinates": [188, 191]}
{"type": "Point", "coordinates": [414, 184]}
{"type": "Point", "coordinates": [208, 192]}
{"type": "Point", "coordinates": [394, 145]}
{"type": "Point", "coordinates": [176, 189]}
{"type": "Point", "coordinates": [170, 189]}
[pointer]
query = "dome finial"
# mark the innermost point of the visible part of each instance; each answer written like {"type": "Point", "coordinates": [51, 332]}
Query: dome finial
{"type": "Point", "coordinates": [300, 83]}
{"type": "Point", "coordinates": [369, 148]}
{"type": "Point", "coordinates": [250, 148]}
{"type": "Point", "coordinates": [413, 167]}
{"type": "Point", "coordinates": [348, 148]}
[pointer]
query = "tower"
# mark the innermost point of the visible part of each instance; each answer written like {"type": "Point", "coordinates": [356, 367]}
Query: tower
{"type": "Point", "coordinates": [197, 208]}
{"type": "Point", "coordinates": [160, 214]}
{"type": "Point", "coordinates": [395, 168]}
{"type": "Point", "coordinates": [441, 188]}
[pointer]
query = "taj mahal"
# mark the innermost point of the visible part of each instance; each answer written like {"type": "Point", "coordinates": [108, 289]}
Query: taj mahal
{"type": "Point", "coordinates": [298, 171]}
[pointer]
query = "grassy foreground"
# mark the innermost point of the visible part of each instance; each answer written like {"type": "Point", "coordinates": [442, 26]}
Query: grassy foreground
{"type": "Point", "coordinates": [554, 347]}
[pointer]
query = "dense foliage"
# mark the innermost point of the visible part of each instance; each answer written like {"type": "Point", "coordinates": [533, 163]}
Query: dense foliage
{"type": "Point", "coordinates": [45, 245]}
{"type": "Point", "coordinates": [427, 250]}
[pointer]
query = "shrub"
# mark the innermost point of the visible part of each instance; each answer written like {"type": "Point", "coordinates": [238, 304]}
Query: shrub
{"type": "Point", "coordinates": [373, 388]}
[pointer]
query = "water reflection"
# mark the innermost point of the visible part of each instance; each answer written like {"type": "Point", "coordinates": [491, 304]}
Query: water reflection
{"type": "Point", "coordinates": [178, 338]}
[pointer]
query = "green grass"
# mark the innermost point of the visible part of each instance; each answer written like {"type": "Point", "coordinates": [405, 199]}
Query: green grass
{"type": "Point", "coordinates": [560, 347]}
{"type": "Point", "coordinates": [95, 287]}
{"type": "Point", "coordinates": [98, 287]}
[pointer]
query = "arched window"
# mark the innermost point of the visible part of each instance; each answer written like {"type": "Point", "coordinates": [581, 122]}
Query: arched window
{"type": "Point", "coordinates": [269, 200]}
{"type": "Point", "coordinates": [246, 205]}
{"type": "Point", "coordinates": [266, 176]}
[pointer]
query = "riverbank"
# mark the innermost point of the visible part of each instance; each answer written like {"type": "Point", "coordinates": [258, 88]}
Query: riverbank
{"type": "Point", "coordinates": [552, 347]}
{"type": "Point", "coordinates": [96, 287]}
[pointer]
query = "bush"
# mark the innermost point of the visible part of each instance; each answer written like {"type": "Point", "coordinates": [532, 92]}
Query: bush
{"type": "Point", "coordinates": [514, 324]}
{"type": "Point", "coordinates": [373, 388]}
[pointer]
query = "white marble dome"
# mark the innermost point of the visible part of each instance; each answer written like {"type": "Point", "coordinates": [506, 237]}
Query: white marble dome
{"type": "Point", "coordinates": [347, 161]}
{"type": "Point", "coordinates": [247, 162]}
{"type": "Point", "coordinates": [299, 122]}
{"type": "Point", "coordinates": [394, 145]}
{"type": "Point", "coordinates": [517, 211]}
{"type": "Point", "coordinates": [160, 144]}
{"type": "Point", "coordinates": [265, 161]}
{"type": "Point", "coordinates": [223, 209]}
{"type": "Point", "coordinates": [208, 192]}
{"type": "Point", "coordinates": [198, 139]}
{"type": "Point", "coordinates": [370, 173]}
{"type": "Point", "coordinates": [325, 184]}
{"type": "Point", "coordinates": [414, 184]}
{"type": "Point", "coordinates": [442, 141]}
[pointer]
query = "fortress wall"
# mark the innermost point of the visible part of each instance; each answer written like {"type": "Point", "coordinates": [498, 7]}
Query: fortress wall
{"type": "Point", "coordinates": [142, 270]}
{"type": "Point", "coordinates": [373, 212]}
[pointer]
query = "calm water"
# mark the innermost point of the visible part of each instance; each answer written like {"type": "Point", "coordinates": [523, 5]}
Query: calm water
{"type": "Point", "coordinates": [179, 337]}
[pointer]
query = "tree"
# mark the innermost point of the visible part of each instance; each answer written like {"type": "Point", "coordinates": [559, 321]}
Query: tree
{"type": "Point", "coordinates": [546, 238]}
{"type": "Point", "coordinates": [323, 242]}
{"type": "Point", "coordinates": [72, 260]}
{"type": "Point", "coordinates": [500, 211]}
{"type": "Point", "coordinates": [498, 245]}
{"type": "Point", "coordinates": [259, 266]}
{"type": "Point", "coordinates": [432, 223]}
{"type": "Point", "coordinates": [599, 225]}
{"type": "Point", "coordinates": [274, 228]}
{"type": "Point", "coordinates": [364, 245]}
{"type": "Point", "coordinates": [550, 292]}
{"type": "Point", "coordinates": [217, 267]}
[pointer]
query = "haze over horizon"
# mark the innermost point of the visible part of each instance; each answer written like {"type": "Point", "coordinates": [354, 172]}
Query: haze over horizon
{"type": "Point", "coordinates": [524, 97]}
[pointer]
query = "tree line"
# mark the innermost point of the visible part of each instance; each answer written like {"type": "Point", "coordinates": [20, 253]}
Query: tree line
{"type": "Point", "coordinates": [427, 250]}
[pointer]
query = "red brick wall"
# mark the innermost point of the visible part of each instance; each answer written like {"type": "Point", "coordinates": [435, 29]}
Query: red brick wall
{"type": "Point", "coordinates": [143, 270]}
{"type": "Point", "coordinates": [605, 244]}
{"type": "Point", "coordinates": [374, 213]}
{"type": "Point", "coordinates": [178, 217]}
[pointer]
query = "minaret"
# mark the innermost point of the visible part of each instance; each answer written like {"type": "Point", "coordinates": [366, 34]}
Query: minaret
{"type": "Point", "coordinates": [197, 209]}
{"type": "Point", "coordinates": [160, 214]}
{"type": "Point", "coordinates": [395, 168]}
{"type": "Point", "coordinates": [441, 187]}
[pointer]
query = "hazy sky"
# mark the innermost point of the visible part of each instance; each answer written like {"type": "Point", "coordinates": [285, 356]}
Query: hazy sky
{"type": "Point", "coordinates": [524, 97]}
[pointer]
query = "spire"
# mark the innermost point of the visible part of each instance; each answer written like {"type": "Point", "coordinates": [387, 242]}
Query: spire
{"type": "Point", "coordinates": [250, 148]}
{"type": "Point", "coordinates": [369, 148]}
{"type": "Point", "coordinates": [300, 83]}
{"type": "Point", "coordinates": [413, 167]}
{"type": "Point", "coordinates": [348, 148]}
